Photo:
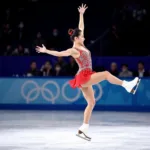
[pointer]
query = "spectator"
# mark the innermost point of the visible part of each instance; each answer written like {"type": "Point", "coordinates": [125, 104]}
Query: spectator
{"type": "Point", "coordinates": [39, 40]}
{"type": "Point", "coordinates": [141, 72]}
{"type": "Point", "coordinates": [26, 52]}
{"type": "Point", "coordinates": [113, 69]}
{"type": "Point", "coordinates": [33, 70]}
{"type": "Point", "coordinates": [8, 50]}
{"type": "Point", "coordinates": [58, 70]}
{"type": "Point", "coordinates": [19, 51]}
{"type": "Point", "coordinates": [62, 63]}
{"type": "Point", "coordinates": [47, 69]}
{"type": "Point", "coordinates": [55, 39]}
{"type": "Point", "coordinates": [125, 72]}
{"type": "Point", "coordinates": [15, 52]}
{"type": "Point", "coordinates": [7, 34]}
{"type": "Point", "coordinates": [7, 15]}
{"type": "Point", "coordinates": [21, 31]}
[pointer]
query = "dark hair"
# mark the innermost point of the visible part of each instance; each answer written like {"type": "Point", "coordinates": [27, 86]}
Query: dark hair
{"type": "Point", "coordinates": [140, 62]}
{"type": "Point", "coordinates": [74, 33]}
{"type": "Point", "coordinates": [57, 64]}
{"type": "Point", "coordinates": [32, 62]}
{"type": "Point", "coordinates": [124, 65]}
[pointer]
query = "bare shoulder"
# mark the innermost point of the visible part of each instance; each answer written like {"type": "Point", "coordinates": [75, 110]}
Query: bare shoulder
{"type": "Point", "coordinates": [74, 52]}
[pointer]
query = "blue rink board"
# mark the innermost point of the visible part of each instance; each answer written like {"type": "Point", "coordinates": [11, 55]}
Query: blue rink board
{"type": "Point", "coordinates": [56, 94]}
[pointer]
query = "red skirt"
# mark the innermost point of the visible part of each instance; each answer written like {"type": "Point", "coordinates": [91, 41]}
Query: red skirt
{"type": "Point", "coordinates": [81, 78]}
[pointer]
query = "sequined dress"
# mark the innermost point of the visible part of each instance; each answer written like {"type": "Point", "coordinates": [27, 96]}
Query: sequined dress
{"type": "Point", "coordinates": [85, 69]}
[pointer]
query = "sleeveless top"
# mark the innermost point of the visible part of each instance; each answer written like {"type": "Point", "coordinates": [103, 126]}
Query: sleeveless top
{"type": "Point", "coordinates": [84, 61]}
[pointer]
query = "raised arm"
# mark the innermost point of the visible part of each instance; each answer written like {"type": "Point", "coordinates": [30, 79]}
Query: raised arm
{"type": "Point", "coordinates": [81, 10]}
{"type": "Point", "coordinates": [68, 52]}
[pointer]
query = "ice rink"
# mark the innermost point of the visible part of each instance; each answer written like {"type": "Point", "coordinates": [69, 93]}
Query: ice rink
{"type": "Point", "coordinates": [56, 130]}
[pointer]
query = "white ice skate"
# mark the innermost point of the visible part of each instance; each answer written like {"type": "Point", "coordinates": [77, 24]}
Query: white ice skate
{"type": "Point", "coordinates": [132, 86]}
{"type": "Point", "coordinates": [82, 133]}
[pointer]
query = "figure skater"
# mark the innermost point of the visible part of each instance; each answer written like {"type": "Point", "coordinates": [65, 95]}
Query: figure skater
{"type": "Point", "coordinates": [85, 77]}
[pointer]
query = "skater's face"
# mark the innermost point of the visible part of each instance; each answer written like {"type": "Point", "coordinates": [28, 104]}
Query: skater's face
{"type": "Point", "coordinates": [76, 36]}
{"type": "Point", "coordinates": [80, 39]}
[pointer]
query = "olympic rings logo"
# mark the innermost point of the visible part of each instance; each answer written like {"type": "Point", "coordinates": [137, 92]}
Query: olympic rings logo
{"type": "Point", "coordinates": [34, 91]}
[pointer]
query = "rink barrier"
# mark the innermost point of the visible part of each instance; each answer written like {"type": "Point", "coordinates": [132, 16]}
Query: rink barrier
{"type": "Point", "coordinates": [56, 94]}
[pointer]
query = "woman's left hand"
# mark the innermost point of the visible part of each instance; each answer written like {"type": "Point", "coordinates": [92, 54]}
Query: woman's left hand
{"type": "Point", "coordinates": [82, 8]}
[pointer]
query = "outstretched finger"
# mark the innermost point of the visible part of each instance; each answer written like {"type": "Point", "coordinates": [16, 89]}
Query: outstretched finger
{"type": "Point", "coordinates": [37, 51]}
{"type": "Point", "coordinates": [84, 6]}
{"type": "Point", "coordinates": [43, 45]}
{"type": "Point", "coordinates": [38, 47]}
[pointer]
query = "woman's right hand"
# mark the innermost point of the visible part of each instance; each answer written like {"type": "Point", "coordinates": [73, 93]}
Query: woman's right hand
{"type": "Point", "coordinates": [41, 49]}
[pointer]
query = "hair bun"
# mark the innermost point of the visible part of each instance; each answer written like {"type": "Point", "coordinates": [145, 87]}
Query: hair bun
{"type": "Point", "coordinates": [70, 31]}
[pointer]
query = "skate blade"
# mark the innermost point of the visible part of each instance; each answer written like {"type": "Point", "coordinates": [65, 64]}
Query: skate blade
{"type": "Point", "coordinates": [85, 138]}
{"type": "Point", "coordinates": [80, 133]}
{"type": "Point", "coordinates": [133, 91]}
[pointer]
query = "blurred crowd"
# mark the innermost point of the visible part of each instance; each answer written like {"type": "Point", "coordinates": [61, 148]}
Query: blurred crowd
{"type": "Point", "coordinates": [117, 29]}
{"type": "Point", "coordinates": [20, 33]}
{"type": "Point", "coordinates": [61, 68]}
{"type": "Point", "coordinates": [33, 22]}
{"type": "Point", "coordinates": [14, 43]}
{"type": "Point", "coordinates": [126, 72]}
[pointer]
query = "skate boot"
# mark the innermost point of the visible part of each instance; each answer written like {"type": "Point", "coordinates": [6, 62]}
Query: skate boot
{"type": "Point", "coordinates": [131, 86]}
{"type": "Point", "coordinates": [82, 132]}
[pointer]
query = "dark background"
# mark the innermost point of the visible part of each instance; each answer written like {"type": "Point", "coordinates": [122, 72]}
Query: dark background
{"type": "Point", "coordinates": [115, 28]}
{"type": "Point", "coordinates": [109, 25]}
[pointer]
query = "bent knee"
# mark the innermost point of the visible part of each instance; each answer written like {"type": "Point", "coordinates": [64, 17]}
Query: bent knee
{"type": "Point", "coordinates": [107, 73]}
{"type": "Point", "coordinates": [91, 103]}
